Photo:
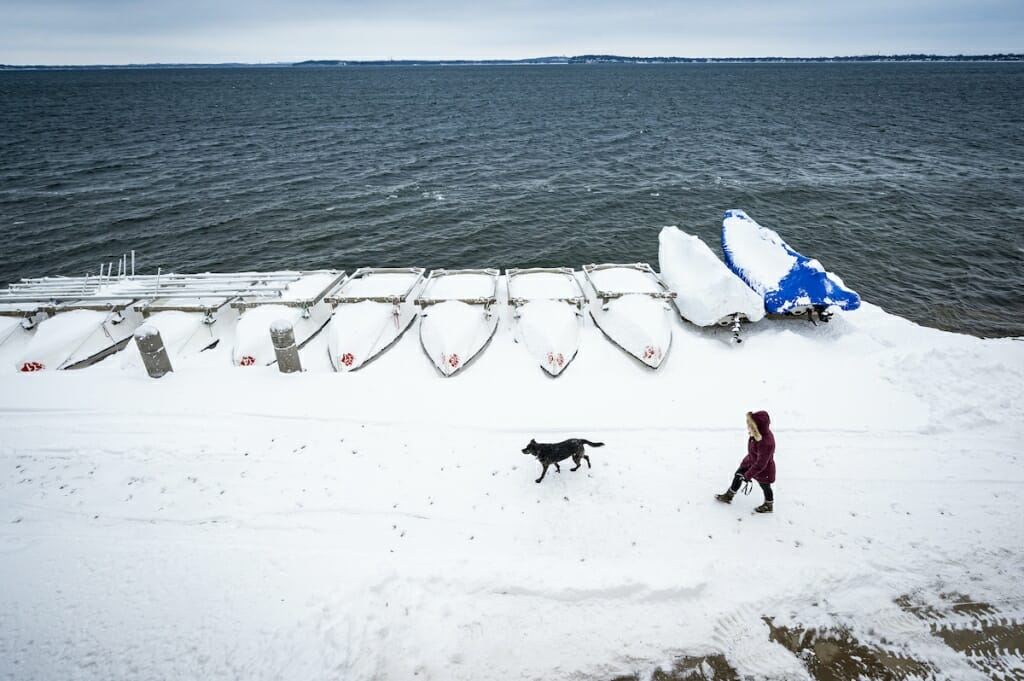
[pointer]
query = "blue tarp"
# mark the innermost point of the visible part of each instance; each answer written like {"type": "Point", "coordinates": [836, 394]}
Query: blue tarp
{"type": "Point", "coordinates": [759, 257]}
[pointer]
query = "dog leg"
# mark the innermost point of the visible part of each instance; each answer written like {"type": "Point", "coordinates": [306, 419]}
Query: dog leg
{"type": "Point", "coordinates": [588, 461]}
{"type": "Point", "coordinates": [542, 473]}
{"type": "Point", "coordinates": [576, 460]}
{"type": "Point", "coordinates": [558, 469]}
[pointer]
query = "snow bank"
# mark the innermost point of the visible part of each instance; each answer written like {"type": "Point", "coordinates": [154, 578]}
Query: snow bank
{"type": "Point", "coordinates": [384, 524]}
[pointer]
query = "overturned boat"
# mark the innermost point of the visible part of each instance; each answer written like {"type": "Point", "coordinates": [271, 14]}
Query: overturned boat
{"type": "Point", "coordinates": [790, 283]}
{"type": "Point", "coordinates": [77, 334]}
{"type": "Point", "coordinates": [707, 292]}
{"type": "Point", "coordinates": [299, 304]}
{"type": "Point", "coordinates": [629, 303]}
{"type": "Point", "coordinates": [457, 318]}
{"type": "Point", "coordinates": [193, 312]}
{"type": "Point", "coordinates": [67, 322]}
{"type": "Point", "coordinates": [372, 309]}
{"type": "Point", "coordinates": [547, 309]}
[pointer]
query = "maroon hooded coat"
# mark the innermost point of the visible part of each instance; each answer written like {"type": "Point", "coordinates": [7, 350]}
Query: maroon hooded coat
{"type": "Point", "coordinates": [760, 459]}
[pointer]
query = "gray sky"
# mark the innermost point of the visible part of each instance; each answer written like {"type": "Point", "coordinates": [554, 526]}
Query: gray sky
{"type": "Point", "coordinates": [145, 31]}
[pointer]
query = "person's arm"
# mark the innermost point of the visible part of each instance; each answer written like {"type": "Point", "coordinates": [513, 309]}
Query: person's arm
{"type": "Point", "coordinates": [763, 451]}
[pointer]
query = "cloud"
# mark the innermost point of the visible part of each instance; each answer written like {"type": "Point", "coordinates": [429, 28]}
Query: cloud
{"type": "Point", "coordinates": [119, 31]}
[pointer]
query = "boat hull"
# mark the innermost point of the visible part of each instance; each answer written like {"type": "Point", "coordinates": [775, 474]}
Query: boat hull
{"type": "Point", "coordinates": [453, 333]}
{"type": "Point", "coordinates": [638, 324]}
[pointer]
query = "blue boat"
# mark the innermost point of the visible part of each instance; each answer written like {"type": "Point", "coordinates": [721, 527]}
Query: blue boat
{"type": "Point", "coordinates": [791, 283]}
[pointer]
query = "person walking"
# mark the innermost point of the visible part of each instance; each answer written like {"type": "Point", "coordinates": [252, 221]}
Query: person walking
{"type": "Point", "coordinates": [758, 464]}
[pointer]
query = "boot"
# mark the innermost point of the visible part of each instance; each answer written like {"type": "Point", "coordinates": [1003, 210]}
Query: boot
{"type": "Point", "coordinates": [766, 507]}
{"type": "Point", "coordinates": [726, 496]}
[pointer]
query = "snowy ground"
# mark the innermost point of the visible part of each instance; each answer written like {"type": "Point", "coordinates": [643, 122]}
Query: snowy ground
{"type": "Point", "coordinates": [224, 523]}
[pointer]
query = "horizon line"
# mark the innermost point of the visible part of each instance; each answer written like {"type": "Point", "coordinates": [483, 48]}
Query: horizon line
{"type": "Point", "coordinates": [559, 59]}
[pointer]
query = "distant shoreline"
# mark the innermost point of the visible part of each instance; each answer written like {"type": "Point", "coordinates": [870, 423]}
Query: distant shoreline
{"type": "Point", "coordinates": [582, 59]}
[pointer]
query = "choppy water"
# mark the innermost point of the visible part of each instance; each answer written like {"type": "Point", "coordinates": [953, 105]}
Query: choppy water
{"type": "Point", "coordinates": [906, 179]}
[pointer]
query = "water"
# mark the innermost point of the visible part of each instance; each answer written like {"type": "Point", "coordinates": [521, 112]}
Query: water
{"type": "Point", "coordinates": [906, 179]}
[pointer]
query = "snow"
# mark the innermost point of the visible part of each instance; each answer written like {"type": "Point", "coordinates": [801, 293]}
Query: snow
{"type": "Point", "coordinates": [624, 280]}
{"type": "Point", "coordinates": [379, 284]}
{"type": "Point", "coordinates": [756, 250]}
{"type": "Point", "coordinates": [384, 524]}
{"type": "Point", "coordinates": [253, 346]}
{"type": "Point", "coordinates": [460, 285]}
{"type": "Point", "coordinates": [533, 285]}
{"type": "Point", "coordinates": [707, 291]}
{"type": "Point", "coordinates": [309, 286]}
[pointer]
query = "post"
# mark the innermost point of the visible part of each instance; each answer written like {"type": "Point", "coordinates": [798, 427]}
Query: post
{"type": "Point", "coordinates": [283, 338]}
{"type": "Point", "coordinates": [154, 355]}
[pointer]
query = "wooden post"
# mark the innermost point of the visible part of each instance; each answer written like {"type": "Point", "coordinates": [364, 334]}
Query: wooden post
{"type": "Point", "coordinates": [283, 338]}
{"type": "Point", "coordinates": [154, 355]}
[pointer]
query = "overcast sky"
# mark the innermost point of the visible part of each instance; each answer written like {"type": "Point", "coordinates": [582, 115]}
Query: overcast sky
{"type": "Point", "coordinates": [147, 31]}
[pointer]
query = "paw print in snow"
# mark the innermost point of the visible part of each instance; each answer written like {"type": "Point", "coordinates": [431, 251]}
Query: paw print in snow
{"type": "Point", "coordinates": [347, 359]}
{"type": "Point", "coordinates": [247, 361]}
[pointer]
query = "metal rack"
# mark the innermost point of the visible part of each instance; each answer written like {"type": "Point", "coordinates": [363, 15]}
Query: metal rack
{"type": "Point", "coordinates": [665, 294]}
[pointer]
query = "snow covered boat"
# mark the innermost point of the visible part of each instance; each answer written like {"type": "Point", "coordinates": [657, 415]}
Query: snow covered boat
{"type": "Point", "coordinates": [373, 308]}
{"type": "Point", "coordinates": [66, 322]}
{"type": "Point", "coordinates": [301, 304]}
{"type": "Point", "coordinates": [79, 334]}
{"type": "Point", "coordinates": [707, 292]}
{"type": "Point", "coordinates": [457, 318]}
{"type": "Point", "coordinates": [629, 305]}
{"type": "Point", "coordinates": [547, 308]}
{"type": "Point", "coordinates": [790, 283]}
{"type": "Point", "coordinates": [18, 324]}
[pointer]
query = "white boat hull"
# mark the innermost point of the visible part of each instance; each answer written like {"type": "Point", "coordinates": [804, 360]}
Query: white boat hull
{"type": "Point", "coordinates": [707, 292]}
{"type": "Point", "coordinates": [453, 333]}
{"type": "Point", "coordinates": [359, 332]}
{"type": "Point", "coordinates": [77, 338]}
{"type": "Point", "coordinates": [638, 324]}
{"type": "Point", "coordinates": [253, 344]}
{"type": "Point", "coordinates": [550, 330]}
{"type": "Point", "coordinates": [14, 338]}
{"type": "Point", "coordinates": [184, 334]}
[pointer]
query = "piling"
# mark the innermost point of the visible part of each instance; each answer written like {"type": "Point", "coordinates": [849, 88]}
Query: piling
{"type": "Point", "coordinates": [283, 338]}
{"type": "Point", "coordinates": [154, 355]}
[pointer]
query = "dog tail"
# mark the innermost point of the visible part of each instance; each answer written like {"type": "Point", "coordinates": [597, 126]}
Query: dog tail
{"type": "Point", "coordinates": [592, 444]}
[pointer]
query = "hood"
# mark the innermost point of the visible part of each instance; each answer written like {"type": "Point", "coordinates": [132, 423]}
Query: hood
{"type": "Point", "coordinates": [758, 422]}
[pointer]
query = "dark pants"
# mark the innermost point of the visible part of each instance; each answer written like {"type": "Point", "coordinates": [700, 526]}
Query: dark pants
{"type": "Point", "coordinates": [737, 480]}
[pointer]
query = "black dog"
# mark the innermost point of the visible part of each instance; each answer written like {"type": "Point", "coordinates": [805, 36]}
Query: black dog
{"type": "Point", "coordinates": [549, 454]}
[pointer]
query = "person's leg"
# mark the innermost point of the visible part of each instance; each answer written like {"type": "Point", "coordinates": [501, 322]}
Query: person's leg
{"type": "Point", "coordinates": [737, 479]}
{"type": "Point", "coordinates": [769, 499]}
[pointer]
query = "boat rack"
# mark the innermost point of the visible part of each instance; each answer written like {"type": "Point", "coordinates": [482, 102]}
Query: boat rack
{"type": "Point", "coordinates": [150, 293]}
{"type": "Point", "coordinates": [337, 295]}
{"type": "Point", "coordinates": [605, 296]}
{"type": "Point", "coordinates": [516, 301]}
{"type": "Point", "coordinates": [424, 302]}
{"type": "Point", "coordinates": [244, 303]}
